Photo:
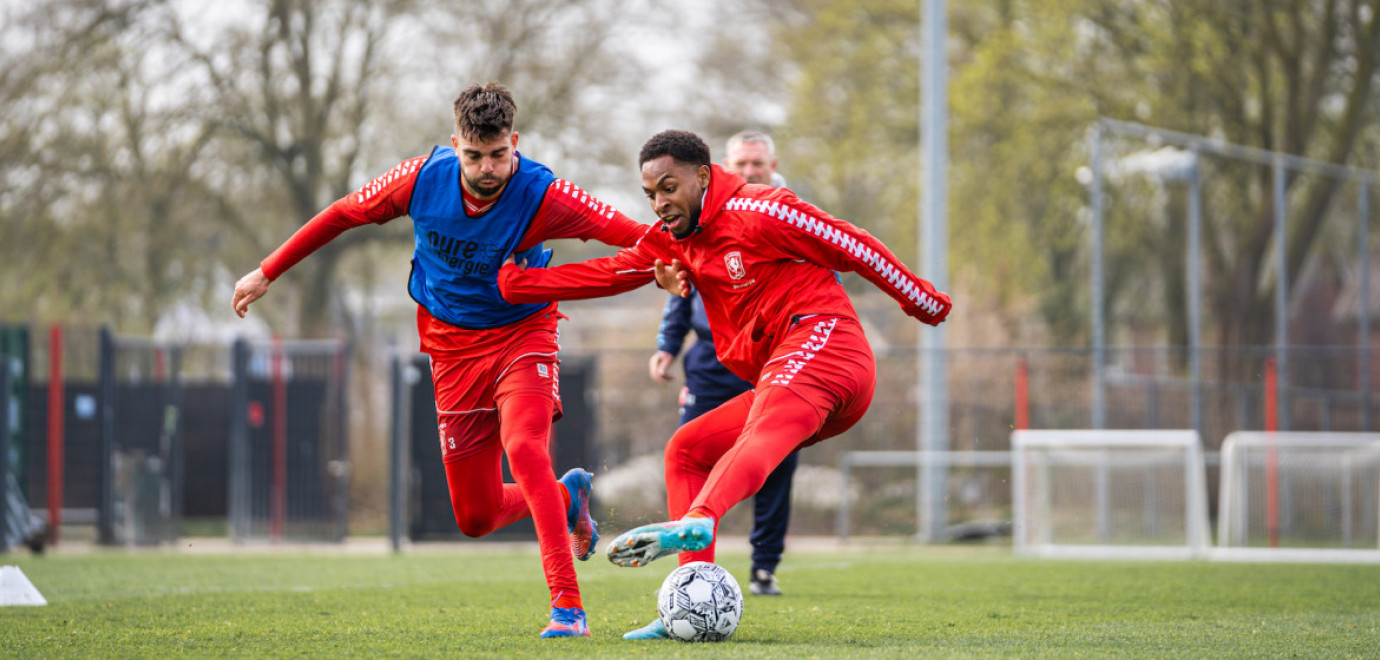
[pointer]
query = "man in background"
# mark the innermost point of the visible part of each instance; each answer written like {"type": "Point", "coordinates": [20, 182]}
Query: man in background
{"type": "Point", "coordinates": [708, 384]}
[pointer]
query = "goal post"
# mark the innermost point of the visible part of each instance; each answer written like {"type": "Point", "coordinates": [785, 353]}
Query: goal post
{"type": "Point", "coordinates": [1300, 496]}
{"type": "Point", "coordinates": [1116, 494]}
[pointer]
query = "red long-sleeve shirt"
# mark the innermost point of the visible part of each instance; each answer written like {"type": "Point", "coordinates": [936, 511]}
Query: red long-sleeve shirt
{"type": "Point", "coordinates": [565, 212]}
{"type": "Point", "coordinates": [760, 257]}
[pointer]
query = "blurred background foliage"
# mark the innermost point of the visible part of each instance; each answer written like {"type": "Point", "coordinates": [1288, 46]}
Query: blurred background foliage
{"type": "Point", "coordinates": [153, 150]}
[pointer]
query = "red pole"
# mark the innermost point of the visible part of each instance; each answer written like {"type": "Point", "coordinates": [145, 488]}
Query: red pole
{"type": "Point", "coordinates": [279, 514]}
{"type": "Point", "coordinates": [1022, 394]}
{"type": "Point", "coordinates": [1271, 396]}
{"type": "Point", "coordinates": [1271, 459]}
{"type": "Point", "coordinates": [57, 416]}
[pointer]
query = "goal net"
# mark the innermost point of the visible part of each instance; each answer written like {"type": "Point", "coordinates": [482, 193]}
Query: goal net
{"type": "Point", "coordinates": [1300, 496]}
{"type": "Point", "coordinates": [1109, 493]}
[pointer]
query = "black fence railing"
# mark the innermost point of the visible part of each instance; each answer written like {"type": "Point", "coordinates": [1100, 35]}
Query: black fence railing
{"type": "Point", "coordinates": [289, 453]}
{"type": "Point", "coordinates": [255, 435]}
{"type": "Point", "coordinates": [141, 471]}
{"type": "Point", "coordinates": [419, 493]}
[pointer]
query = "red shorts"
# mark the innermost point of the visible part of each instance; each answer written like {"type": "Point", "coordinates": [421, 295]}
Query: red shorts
{"type": "Point", "coordinates": [817, 384]}
{"type": "Point", "coordinates": [827, 361]}
{"type": "Point", "coordinates": [469, 387]}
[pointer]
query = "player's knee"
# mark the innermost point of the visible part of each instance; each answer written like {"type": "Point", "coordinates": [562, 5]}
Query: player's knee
{"type": "Point", "coordinates": [523, 456]}
{"type": "Point", "coordinates": [473, 524]}
{"type": "Point", "coordinates": [473, 521]}
{"type": "Point", "coordinates": [679, 447]}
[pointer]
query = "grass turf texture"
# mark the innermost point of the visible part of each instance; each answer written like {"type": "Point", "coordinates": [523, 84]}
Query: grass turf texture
{"type": "Point", "coordinates": [896, 602]}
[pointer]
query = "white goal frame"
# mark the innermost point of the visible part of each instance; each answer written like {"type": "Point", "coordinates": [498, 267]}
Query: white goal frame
{"type": "Point", "coordinates": [1025, 503]}
{"type": "Point", "coordinates": [1234, 506]}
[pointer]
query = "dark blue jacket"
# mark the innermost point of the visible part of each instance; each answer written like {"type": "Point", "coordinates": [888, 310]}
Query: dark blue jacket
{"type": "Point", "coordinates": [704, 376]}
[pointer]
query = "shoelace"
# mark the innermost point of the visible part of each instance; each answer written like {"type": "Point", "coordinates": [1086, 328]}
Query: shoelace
{"type": "Point", "coordinates": [565, 615]}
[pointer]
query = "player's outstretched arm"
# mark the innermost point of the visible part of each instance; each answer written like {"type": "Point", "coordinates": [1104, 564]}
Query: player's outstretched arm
{"type": "Point", "coordinates": [569, 212]}
{"type": "Point", "coordinates": [379, 201]}
{"type": "Point", "coordinates": [596, 278]}
{"type": "Point", "coordinates": [251, 287]}
{"type": "Point", "coordinates": [800, 230]}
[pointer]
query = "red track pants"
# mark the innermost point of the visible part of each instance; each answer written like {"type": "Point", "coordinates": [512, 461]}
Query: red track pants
{"type": "Point", "coordinates": [504, 404]}
{"type": "Point", "coordinates": [817, 384]}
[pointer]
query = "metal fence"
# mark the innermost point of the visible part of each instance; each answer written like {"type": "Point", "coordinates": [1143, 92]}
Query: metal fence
{"type": "Point", "coordinates": [265, 423]}
{"type": "Point", "coordinates": [419, 497]}
{"type": "Point", "coordinates": [141, 474]}
{"type": "Point", "coordinates": [991, 392]}
{"type": "Point", "coordinates": [289, 455]}
{"type": "Point", "coordinates": [1211, 239]}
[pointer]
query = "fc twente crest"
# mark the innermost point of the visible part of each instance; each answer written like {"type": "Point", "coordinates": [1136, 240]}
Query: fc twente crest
{"type": "Point", "coordinates": [734, 261]}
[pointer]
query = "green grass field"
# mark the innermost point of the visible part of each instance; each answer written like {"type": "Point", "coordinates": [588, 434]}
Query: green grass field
{"type": "Point", "coordinates": [900, 601]}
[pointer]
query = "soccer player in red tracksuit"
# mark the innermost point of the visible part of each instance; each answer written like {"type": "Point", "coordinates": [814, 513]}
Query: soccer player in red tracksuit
{"type": "Point", "coordinates": [763, 262]}
{"type": "Point", "coordinates": [494, 363]}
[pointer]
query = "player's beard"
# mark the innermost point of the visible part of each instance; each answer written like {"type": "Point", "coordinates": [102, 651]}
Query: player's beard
{"type": "Point", "coordinates": [691, 226]}
{"type": "Point", "coordinates": [484, 186]}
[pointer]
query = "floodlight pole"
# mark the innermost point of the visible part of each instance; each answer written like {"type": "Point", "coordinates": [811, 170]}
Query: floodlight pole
{"type": "Point", "coordinates": [1195, 289]}
{"type": "Point", "coordinates": [1363, 309]}
{"type": "Point", "coordinates": [934, 395]}
{"type": "Point", "coordinates": [1099, 329]}
{"type": "Point", "coordinates": [1281, 298]}
{"type": "Point", "coordinates": [4, 445]}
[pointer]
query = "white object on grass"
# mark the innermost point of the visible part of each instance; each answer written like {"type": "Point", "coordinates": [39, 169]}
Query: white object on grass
{"type": "Point", "coordinates": [16, 589]}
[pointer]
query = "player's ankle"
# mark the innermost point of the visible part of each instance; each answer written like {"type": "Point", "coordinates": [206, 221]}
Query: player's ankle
{"type": "Point", "coordinates": [566, 601]}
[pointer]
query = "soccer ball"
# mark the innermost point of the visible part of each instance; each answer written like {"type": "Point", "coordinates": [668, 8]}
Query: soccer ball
{"type": "Point", "coordinates": [700, 602]}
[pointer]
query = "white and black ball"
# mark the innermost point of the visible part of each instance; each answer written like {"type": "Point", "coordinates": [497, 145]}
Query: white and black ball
{"type": "Point", "coordinates": [700, 602]}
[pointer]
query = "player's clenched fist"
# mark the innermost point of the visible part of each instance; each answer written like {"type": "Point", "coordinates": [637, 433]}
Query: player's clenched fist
{"type": "Point", "coordinates": [251, 287]}
{"type": "Point", "coordinates": [935, 310]}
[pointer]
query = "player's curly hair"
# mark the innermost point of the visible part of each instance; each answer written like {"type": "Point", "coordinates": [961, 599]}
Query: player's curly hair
{"type": "Point", "coordinates": [683, 146]}
{"type": "Point", "coordinates": [484, 112]}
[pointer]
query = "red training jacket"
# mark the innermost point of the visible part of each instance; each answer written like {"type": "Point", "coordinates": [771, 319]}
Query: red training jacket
{"type": "Point", "coordinates": [760, 256]}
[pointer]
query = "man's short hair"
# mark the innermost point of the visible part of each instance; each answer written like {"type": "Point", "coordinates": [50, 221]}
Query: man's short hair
{"type": "Point", "coordinates": [683, 146]}
{"type": "Point", "coordinates": [485, 112]}
{"type": "Point", "coordinates": [752, 136]}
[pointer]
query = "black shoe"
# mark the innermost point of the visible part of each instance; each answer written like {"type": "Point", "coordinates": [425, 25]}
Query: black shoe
{"type": "Point", "coordinates": [763, 583]}
{"type": "Point", "coordinates": [39, 540]}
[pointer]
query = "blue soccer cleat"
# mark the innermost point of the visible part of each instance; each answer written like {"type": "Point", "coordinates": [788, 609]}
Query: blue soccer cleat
{"type": "Point", "coordinates": [641, 545]}
{"type": "Point", "coordinates": [566, 622]}
{"type": "Point", "coordinates": [583, 531]}
{"type": "Point", "coordinates": [653, 630]}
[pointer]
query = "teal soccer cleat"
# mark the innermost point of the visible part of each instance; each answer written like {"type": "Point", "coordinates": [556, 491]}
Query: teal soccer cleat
{"type": "Point", "coordinates": [642, 545]}
{"type": "Point", "coordinates": [653, 630]}
{"type": "Point", "coordinates": [566, 622]}
{"type": "Point", "coordinates": [583, 530]}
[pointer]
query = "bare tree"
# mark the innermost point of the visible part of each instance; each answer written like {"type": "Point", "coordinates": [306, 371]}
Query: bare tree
{"type": "Point", "coordinates": [1292, 77]}
{"type": "Point", "coordinates": [571, 65]}
{"type": "Point", "coordinates": [294, 93]}
{"type": "Point", "coordinates": [98, 160]}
